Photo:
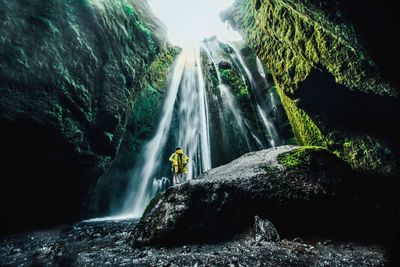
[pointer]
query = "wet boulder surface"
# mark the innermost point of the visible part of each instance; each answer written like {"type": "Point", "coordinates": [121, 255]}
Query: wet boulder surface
{"type": "Point", "coordinates": [303, 191]}
{"type": "Point", "coordinates": [70, 72]}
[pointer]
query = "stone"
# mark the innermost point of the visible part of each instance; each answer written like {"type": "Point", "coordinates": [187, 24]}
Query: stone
{"type": "Point", "coordinates": [222, 202]}
{"type": "Point", "coordinates": [224, 65]}
{"type": "Point", "coordinates": [264, 230]}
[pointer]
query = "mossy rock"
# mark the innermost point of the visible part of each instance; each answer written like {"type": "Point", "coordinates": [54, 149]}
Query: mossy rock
{"type": "Point", "coordinates": [321, 70]}
{"type": "Point", "coordinates": [230, 77]}
{"type": "Point", "coordinates": [70, 72]}
{"type": "Point", "coordinates": [142, 122]}
{"type": "Point", "coordinates": [223, 201]}
{"type": "Point", "coordinates": [301, 156]}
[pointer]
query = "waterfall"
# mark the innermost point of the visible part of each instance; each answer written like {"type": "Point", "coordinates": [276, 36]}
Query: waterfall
{"type": "Point", "coordinates": [185, 108]}
{"type": "Point", "coordinates": [229, 100]}
{"type": "Point", "coordinates": [193, 135]}
{"type": "Point", "coordinates": [193, 116]}
{"type": "Point", "coordinates": [261, 71]}
{"type": "Point", "coordinates": [261, 104]}
{"type": "Point", "coordinates": [149, 159]}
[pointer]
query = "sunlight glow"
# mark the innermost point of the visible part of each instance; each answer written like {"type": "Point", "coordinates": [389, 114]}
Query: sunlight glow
{"type": "Point", "coordinates": [190, 21]}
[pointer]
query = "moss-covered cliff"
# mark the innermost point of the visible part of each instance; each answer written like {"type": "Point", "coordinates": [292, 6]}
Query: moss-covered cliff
{"type": "Point", "coordinates": [70, 72]}
{"type": "Point", "coordinates": [108, 194]}
{"type": "Point", "coordinates": [332, 89]}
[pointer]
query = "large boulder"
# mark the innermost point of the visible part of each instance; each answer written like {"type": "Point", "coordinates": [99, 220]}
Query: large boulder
{"type": "Point", "coordinates": [298, 189]}
{"type": "Point", "coordinates": [69, 74]}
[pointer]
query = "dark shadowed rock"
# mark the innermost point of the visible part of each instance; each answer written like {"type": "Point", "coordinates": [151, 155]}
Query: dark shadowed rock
{"type": "Point", "coordinates": [264, 230]}
{"type": "Point", "coordinates": [296, 196]}
{"type": "Point", "coordinates": [224, 65]}
{"type": "Point", "coordinates": [70, 72]}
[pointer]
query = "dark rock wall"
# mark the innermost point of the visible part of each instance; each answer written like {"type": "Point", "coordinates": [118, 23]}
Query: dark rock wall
{"type": "Point", "coordinates": [335, 78]}
{"type": "Point", "coordinates": [70, 72]}
{"type": "Point", "coordinates": [109, 193]}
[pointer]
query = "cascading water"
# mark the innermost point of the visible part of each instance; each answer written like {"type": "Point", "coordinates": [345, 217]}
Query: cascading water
{"type": "Point", "coordinates": [261, 71]}
{"type": "Point", "coordinates": [150, 160]}
{"type": "Point", "coordinates": [273, 102]}
{"type": "Point", "coordinates": [203, 122]}
{"type": "Point", "coordinates": [228, 100]}
{"type": "Point", "coordinates": [260, 103]}
{"type": "Point", "coordinates": [184, 123]}
{"type": "Point", "coordinates": [193, 135]}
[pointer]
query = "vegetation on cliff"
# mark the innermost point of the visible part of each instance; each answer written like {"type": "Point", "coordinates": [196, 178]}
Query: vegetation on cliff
{"type": "Point", "coordinates": [107, 193]}
{"type": "Point", "coordinates": [316, 59]}
{"type": "Point", "coordinates": [70, 72]}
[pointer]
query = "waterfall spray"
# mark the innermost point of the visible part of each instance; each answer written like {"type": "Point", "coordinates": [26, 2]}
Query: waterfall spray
{"type": "Point", "coordinates": [260, 103]}
{"type": "Point", "coordinates": [185, 121]}
{"type": "Point", "coordinates": [186, 101]}
{"type": "Point", "coordinates": [149, 157]}
{"type": "Point", "coordinates": [229, 99]}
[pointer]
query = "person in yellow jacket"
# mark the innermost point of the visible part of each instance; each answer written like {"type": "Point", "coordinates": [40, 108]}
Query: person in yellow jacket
{"type": "Point", "coordinates": [179, 161]}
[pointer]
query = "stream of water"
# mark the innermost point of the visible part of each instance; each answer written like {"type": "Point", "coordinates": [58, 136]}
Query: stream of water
{"type": "Point", "coordinates": [203, 122]}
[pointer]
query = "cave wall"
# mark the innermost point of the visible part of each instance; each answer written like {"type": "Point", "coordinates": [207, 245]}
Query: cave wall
{"type": "Point", "coordinates": [70, 72]}
{"type": "Point", "coordinates": [336, 85]}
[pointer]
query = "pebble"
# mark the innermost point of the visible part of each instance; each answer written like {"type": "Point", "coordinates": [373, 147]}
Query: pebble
{"type": "Point", "coordinates": [142, 254]}
{"type": "Point", "coordinates": [298, 240]}
{"type": "Point", "coordinates": [282, 253]}
{"type": "Point", "coordinates": [327, 242]}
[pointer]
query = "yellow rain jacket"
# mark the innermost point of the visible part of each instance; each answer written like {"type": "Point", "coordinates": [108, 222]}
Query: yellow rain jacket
{"type": "Point", "coordinates": [179, 161]}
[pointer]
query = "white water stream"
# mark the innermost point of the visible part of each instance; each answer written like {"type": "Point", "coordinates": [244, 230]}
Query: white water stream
{"type": "Point", "coordinates": [187, 121]}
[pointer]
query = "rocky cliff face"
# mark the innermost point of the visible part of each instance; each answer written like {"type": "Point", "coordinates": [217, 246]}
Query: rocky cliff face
{"type": "Point", "coordinates": [109, 192]}
{"type": "Point", "coordinates": [70, 72]}
{"type": "Point", "coordinates": [334, 78]}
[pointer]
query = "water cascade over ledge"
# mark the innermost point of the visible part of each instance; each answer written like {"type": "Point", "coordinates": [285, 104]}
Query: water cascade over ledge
{"type": "Point", "coordinates": [208, 123]}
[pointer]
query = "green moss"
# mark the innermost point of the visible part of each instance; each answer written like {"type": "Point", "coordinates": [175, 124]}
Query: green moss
{"type": "Point", "coordinates": [85, 2]}
{"type": "Point", "coordinates": [294, 38]}
{"type": "Point", "coordinates": [305, 130]}
{"type": "Point", "coordinates": [142, 30]}
{"type": "Point", "coordinates": [210, 72]}
{"type": "Point", "coordinates": [148, 35]}
{"type": "Point", "coordinates": [231, 78]}
{"type": "Point", "coordinates": [158, 69]}
{"type": "Point", "coordinates": [366, 154]}
{"type": "Point", "coordinates": [128, 9]}
{"type": "Point", "coordinates": [109, 136]}
{"type": "Point", "coordinates": [152, 204]}
{"type": "Point", "coordinates": [298, 157]}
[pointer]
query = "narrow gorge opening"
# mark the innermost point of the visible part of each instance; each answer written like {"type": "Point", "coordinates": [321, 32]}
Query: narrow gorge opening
{"type": "Point", "coordinates": [219, 104]}
{"type": "Point", "coordinates": [288, 112]}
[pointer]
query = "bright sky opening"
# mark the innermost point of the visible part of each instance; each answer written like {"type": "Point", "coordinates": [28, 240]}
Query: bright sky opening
{"type": "Point", "coordinates": [190, 21]}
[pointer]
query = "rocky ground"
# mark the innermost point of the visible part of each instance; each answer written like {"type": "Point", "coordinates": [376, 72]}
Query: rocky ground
{"type": "Point", "coordinates": [107, 243]}
{"type": "Point", "coordinates": [275, 207]}
{"type": "Point", "coordinates": [304, 191]}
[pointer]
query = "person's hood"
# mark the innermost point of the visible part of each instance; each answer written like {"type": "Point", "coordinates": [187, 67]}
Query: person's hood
{"type": "Point", "coordinates": [179, 152]}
